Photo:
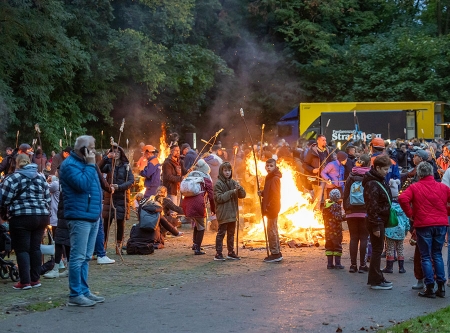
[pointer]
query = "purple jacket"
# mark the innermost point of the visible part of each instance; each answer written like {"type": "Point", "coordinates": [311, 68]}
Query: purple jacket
{"type": "Point", "coordinates": [152, 174]}
{"type": "Point", "coordinates": [334, 171]}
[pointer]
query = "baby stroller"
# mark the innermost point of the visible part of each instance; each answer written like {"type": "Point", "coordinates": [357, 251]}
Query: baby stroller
{"type": "Point", "coordinates": [7, 267]}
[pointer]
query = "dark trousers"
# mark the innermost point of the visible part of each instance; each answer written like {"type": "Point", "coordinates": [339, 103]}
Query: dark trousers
{"type": "Point", "coordinates": [27, 232]}
{"type": "Point", "coordinates": [120, 228]}
{"type": "Point", "coordinates": [228, 228]}
{"type": "Point", "coordinates": [375, 275]}
{"type": "Point", "coordinates": [61, 249]}
{"type": "Point", "coordinates": [358, 235]}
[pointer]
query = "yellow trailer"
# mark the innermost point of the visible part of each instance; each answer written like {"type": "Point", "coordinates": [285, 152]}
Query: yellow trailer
{"type": "Point", "coordinates": [389, 120]}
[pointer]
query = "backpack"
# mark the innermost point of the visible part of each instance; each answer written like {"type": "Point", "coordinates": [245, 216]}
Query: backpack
{"type": "Point", "coordinates": [136, 245]}
{"type": "Point", "coordinates": [192, 185]}
{"type": "Point", "coordinates": [356, 193]}
{"type": "Point", "coordinates": [149, 214]}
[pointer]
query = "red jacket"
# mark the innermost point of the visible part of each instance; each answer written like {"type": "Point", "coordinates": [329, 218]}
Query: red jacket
{"type": "Point", "coordinates": [196, 206]}
{"type": "Point", "coordinates": [426, 203]}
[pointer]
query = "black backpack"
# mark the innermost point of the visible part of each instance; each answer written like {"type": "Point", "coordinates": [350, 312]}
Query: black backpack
{"type": "Point", "coordinates": [137, 244]}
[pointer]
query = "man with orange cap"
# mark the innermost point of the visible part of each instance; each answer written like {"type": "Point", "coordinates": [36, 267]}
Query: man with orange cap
{"type": "Point", "coordinates": [377, 148]}
{"type": "Point", "coordinates": [152, 172]}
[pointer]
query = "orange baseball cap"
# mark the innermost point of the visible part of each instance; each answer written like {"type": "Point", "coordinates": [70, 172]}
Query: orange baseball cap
{"type": "Point", "coordinates": [378, 143]}
{"type": "Point", "coordinates": [149, 148]}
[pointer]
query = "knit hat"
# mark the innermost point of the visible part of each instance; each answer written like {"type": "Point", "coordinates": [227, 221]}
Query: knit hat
{"type": "Point", "coordinates": [184, 146]}
{"type": "Point", "coordinates": [341, 156]}
{"type": "Point", "coordinates": [335, 195]}
{"type": "Point", "coordinates": [202, 166]}
{"type": "Point", "coordinates": [393, 185]}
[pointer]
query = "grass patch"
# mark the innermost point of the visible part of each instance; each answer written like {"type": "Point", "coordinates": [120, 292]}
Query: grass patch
{"type": "Point", "coordinates": [44, 306]}
{"type": "Point", "coordinates": [438, 322]}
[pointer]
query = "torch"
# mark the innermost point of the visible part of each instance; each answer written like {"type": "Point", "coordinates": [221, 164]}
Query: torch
{"type": "Point", "coordinates": [326, 127]}
{"type": "Point", "coordinates": [262, 138]}
{"type": "Point", "coordinates": [70, 138]}
{"type": "Point", "coordinates": [17, 139]}
{"type": "Point", "coordinates": [65, 133]}
{"type": "Point", "coordinates": [257, 179]}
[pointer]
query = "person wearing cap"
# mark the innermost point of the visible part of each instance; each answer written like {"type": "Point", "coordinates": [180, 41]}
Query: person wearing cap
{"type": "Point", "coordinates": [350, 150]}
{"type": "Point", "coordinates": [377, 148]}
{"type": "Point", "coordinates": [152, 171]}
{"type": "Point", "coordinates": [141, 160]}
{"type": "Point", "coordinates": [419, 155]}
{"type": "Point", "coordinates": [316, 159]}
{"type": "Point", "coordinates": [334, 173]}
{"type": "Point", "coordinates": [59, 158]}
{"type": "Point", "coordinates": [188, 155]}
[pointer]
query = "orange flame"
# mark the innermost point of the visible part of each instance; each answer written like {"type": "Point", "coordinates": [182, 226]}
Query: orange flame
{"type": "Point", "coordinates": [297, 219]}
{"type": "Point", "coordinates": [164, 150]}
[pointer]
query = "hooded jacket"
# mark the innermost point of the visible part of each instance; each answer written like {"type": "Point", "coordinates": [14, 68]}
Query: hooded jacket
{"type": "Point", "coordinates": [172, 175]}
{"type": "Point", "coordinates": [123, 176]}
{"type": "Point", "coordinates": [425, 202]}
{"type": "Point", "coordinates": [226, 198]}
{"type": "Point", "coordinates": [189, 159]}
{"type": "Point", "coordinates": [25, 192]}
{"type": "Point", "coordinates": [357, 174]}
{"type": "Point", "coordinates": [376, 200]}
{"type": "Point", "coordinates": [271, 201]}
{"type": "Point", "coordinates": [334, 171]}
{"type": "Point", "coordinates": [152, 174]}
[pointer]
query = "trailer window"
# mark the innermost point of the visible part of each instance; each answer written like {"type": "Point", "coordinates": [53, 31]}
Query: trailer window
{"type": "Point", "coordinates": [284, 130]}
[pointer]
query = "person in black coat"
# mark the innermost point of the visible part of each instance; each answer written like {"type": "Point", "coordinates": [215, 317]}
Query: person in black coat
{"type": "Point", "coordinates": [377, 199]}
{"type": "Point", "coordinates": [122, 182]}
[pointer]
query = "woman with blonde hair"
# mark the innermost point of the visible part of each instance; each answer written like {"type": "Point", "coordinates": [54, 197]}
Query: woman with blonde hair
{"type": "Point", "coordinates": [26, 199]}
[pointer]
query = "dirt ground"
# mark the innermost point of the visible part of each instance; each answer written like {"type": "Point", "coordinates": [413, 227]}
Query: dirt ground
{"type": "Point", "coordinates": [175, 265]}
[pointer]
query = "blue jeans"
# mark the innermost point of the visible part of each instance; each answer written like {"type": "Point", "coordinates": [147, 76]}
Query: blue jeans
{"type": "Point", "coordinates": [430, 241]}
{"type": "Point", "coordinates": [100, 240]}
{"type": "Point", "coordinates": [82, 240]}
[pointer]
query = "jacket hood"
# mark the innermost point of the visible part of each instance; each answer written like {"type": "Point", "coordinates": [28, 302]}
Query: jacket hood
{"type": "Point", "coordinates": [211, 160]}
{"type": "Point", "coordinates": [123, 156]}
{"type": "Point", "coordinates": [222, 176]}
{"type": "Point", "coordinates": [372, 175]}
{"type": "Point", "coordinates": [274, 173]}
{"type": "Point", "coordinates": [360, 171]}
{"type": "Point", "coordinates": [29, 171]}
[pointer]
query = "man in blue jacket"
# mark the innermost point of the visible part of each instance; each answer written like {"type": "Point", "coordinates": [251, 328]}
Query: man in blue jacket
{"type": "Point", "coordinates": [152, 172]}
{"type": "Point", "coordinates": [82, 209]}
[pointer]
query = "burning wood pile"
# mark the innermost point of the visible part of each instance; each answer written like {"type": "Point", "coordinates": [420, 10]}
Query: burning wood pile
{"type": "Point", "coordinates": [298, 224]}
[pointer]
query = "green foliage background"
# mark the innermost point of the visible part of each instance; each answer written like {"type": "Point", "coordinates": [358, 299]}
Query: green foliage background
{"type": "Point", "coordinates": [83, 65]}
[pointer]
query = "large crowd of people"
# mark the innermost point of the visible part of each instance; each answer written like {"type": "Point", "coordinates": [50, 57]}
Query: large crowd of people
{"type": "Point", "coordinates": [79, 192]}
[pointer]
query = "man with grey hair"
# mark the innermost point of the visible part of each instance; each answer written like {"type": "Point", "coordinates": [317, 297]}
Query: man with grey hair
{"type": "Point", "coordinates": [425, 204]}
{"type": "Point", "coordinates": [82, 197]}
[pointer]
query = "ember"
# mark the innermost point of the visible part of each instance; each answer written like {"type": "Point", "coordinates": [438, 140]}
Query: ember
{"type": "Point", "coordinates": [297, 219]}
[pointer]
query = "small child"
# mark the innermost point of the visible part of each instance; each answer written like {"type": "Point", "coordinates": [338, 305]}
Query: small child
{"type": "Point", "coordinates": [396, 235]}
{"type": "Point", "coordinates": [226, 194]}
{"type": "Point", "coordinates": [271, 205]}
{"type": "Point", "coordinates": [333, 217]}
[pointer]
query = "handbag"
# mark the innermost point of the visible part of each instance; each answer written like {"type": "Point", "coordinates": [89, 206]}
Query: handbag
{"type": "Point", "coordinates": [48, 249]}
{"type": "Point", "coordinates": [393, 218]}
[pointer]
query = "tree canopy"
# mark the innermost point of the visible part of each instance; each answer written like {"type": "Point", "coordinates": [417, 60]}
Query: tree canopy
{"type": "Point", "coordinates": [84, 65]}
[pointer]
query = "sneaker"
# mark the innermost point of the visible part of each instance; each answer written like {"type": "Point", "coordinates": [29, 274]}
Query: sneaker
{"type": "Point", "coordinates": [20, 286]}
{"type": "Point", "coordinates": [61, 265]}
{"type": "Point", "coordinates": [54, 273]}
{"type": "Point", "coordinates": [353, 269]}
{"type": "Point", "coordinates": [180, 234]}
{"type": "Point", "coordinates": [219, 257]}
{"type": "Point", "coordinates": [381, 286]}
{"type": "Point", "coordinates": [233, 256]}
{"type": "Point", "coordinates": [338, 267]}
{"type": "Point", "coordinates": [105, 260]}
{"type": "Point", "coordinates": [36, 284]}
{"type": "Point", "coordinates": [199, 253]}
{"type": "Point", "coordinates": [64, 274]}
{"type": "Point", "coordinates": [80, 301]}
{"type": "Point", "coordinates": [387, 282]}
{"type": "Point", "coordinates": [363, 269]}
{"type": "Point", "coordinates": [96, 299]}
{"type": "Point", "coordinates": [274, 258]}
